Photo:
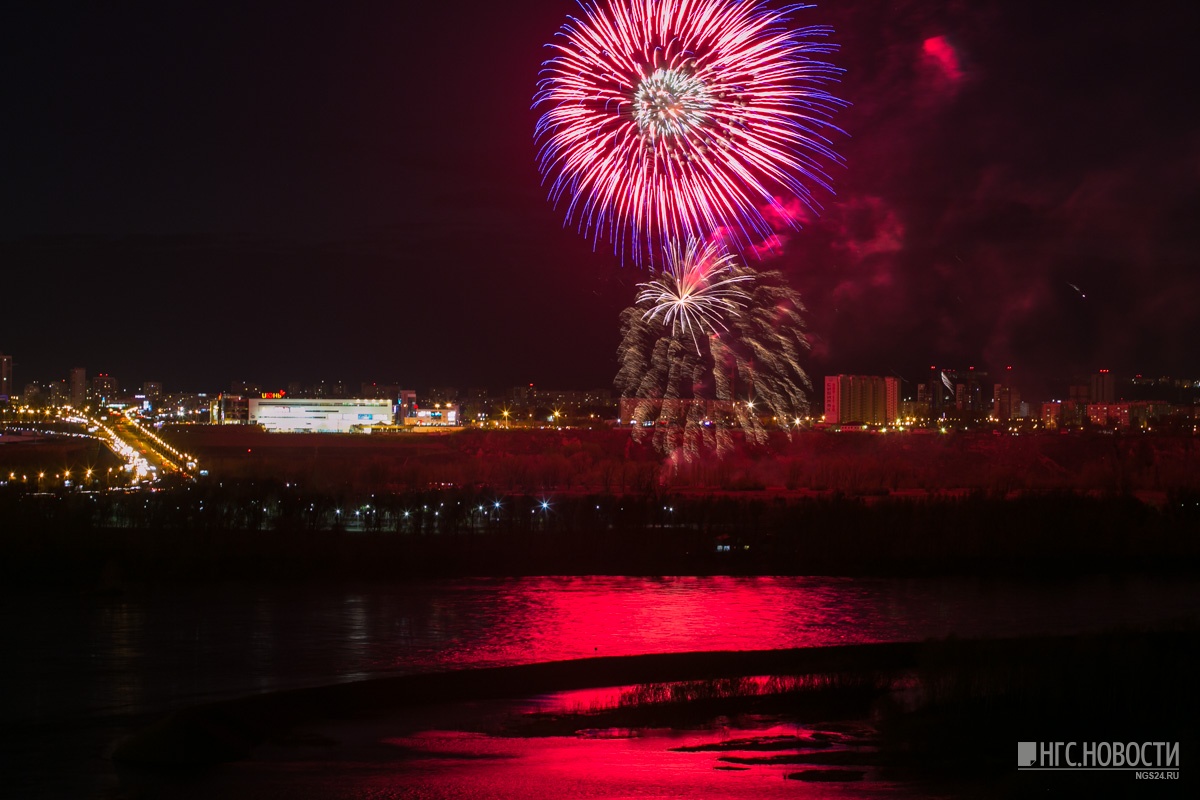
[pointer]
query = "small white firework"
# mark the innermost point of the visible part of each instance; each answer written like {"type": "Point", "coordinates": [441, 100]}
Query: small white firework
{"type": "Point", "coordinates": [698, 292]}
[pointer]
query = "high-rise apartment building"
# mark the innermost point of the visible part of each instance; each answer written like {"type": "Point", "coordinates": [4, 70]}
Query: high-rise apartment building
{"type": "Point", "coordinates": [33, 395]}
{"type": "Point", "coordinates": [1101, 387]}
{"type": "Point", "coordinates": [940, 391]}
{"type": "Point", "coordinates": [1052, 413]}
{"type": "Point", "coordinates": [60, 393]}
{"type": "Point", "coordinates": [971, 399]}
{"type": "Point", "coordinates": [79, 387]}
{"type": "Point", "coordinates": [1006, 399]}
{"type": "Point", "coordinates": [861, 399]}
{"type": "Point", "coordinates": [104, 387]}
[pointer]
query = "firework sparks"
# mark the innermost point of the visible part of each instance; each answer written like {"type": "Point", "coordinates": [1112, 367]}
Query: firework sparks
{"type": "Point", "coordinates": [668, 120]}
{"type": "Point", "coordinates": [693, 391]}
{"type": "Point", "coordinates": [696, 291]}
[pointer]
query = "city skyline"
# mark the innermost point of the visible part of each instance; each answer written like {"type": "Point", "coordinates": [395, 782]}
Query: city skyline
{"type": "Point", "coordinates": [970, 390]}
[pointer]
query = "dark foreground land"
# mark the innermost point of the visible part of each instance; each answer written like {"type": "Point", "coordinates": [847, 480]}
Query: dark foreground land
{"type": "Point", "coordinates": [507, 503]}
{"type": "Point", "coordinates": [213, 533]}
{"type": "Point", "coordinates": [607, 461]}
{"type": "Point", "coordinates": [313, 507]}
{"type": "Point", "coordinates": [940, 712]}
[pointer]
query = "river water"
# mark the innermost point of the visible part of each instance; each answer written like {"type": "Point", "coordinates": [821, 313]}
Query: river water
{"type": "Point", "coordinates": [83, 670]}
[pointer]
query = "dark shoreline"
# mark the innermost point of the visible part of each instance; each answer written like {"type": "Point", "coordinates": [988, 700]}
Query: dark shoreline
{"type": "Point", "coordinates": [229, 730]}
{"type": "Point", "coordinates": [977, 697]}
{"type": "Point", "coordinates": [185, 535]}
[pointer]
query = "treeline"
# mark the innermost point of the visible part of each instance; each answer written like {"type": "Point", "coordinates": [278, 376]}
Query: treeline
{"type": "Point", "coordinates": [269, 531]}
{"type": "Point", "coordinates": [604, 461]}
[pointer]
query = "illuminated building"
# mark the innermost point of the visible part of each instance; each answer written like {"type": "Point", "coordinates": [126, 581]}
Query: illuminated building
{"type": "Point", "coordinates": [1140, 414]}
{"type": "Point", "coordinates": [60, 393]}
{"type": "Point", "coordinates": [861, 399]}
{"type": "Point", "coordinates": [1052, 413]}
{"type": "Point", "coordinates": [406, 403]}
{"type": "Point", "coordinates": [523, 396]}
{"type": "Point", "coordinates": [186, 406]}
{"type": "Point", "coordinates": [33, 395]}
{"type": "Point", "coordinates": [441, 415]}
{"type": "Point", "coordinates": [229, 409]}
{"type": "Point", "coordinates": [319, 415]}
{"type": "Point", "coordinates": [1109, 414]}
{"type": "Point", "coordinates": [104, 388]}
{"type": "Point", "coordinates": [1006, 400]}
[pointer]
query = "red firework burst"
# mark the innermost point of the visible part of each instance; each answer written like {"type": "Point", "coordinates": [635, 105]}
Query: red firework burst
{"type": "Point", "coordinates": [673, 119]}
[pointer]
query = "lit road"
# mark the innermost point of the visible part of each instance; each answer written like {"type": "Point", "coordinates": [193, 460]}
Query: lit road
{"type": "Point", "coordinates": [146, 455]}
{"type": "Point", "coordinates": [161, 459]}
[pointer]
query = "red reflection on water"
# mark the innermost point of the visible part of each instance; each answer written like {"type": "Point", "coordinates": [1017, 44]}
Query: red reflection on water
{"type": "Point", "coordinates": [451, 764]}
{"type": "Point", "coordinates": [584, 701]}
{"type": "Point", "coordinates": [560, 618]}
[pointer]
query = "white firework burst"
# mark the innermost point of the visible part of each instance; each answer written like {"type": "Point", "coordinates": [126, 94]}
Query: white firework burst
{"type": "Point", "coordinates": [697, 292]}
{"type": "Point", "coordinates": [694, 391]}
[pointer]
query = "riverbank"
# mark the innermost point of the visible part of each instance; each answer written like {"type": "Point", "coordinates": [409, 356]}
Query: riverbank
{"type": "Point", "coordinates": [939, 711]}
{"type": "Point", "coordinates": [91, 668]}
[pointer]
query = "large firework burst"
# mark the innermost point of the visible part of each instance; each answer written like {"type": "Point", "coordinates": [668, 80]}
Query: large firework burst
{"type": "Point", "coordinates": [694, 390]}
{"type": "Point", "coordinates": [675, 119]}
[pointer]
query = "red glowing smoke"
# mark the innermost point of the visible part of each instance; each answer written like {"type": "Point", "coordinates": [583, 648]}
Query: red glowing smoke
{"type": "Point", "coordinates": [940, 53]}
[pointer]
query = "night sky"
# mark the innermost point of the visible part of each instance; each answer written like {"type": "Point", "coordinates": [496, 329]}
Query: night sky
{"type": "Point", "coordinates": [204, 192]}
